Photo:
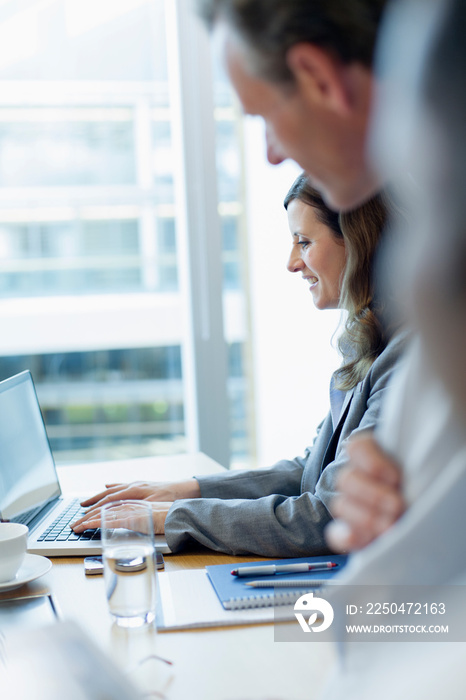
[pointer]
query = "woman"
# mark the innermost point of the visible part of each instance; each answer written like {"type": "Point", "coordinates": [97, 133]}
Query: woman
{"type": "Point", "coordinates": [282, 511]}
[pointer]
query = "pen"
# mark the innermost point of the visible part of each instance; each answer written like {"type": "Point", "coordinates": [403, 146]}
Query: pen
{"type": "Point", "coordinates": [272, 569]}
{"type": "Point", "coordinates": [297, 583]}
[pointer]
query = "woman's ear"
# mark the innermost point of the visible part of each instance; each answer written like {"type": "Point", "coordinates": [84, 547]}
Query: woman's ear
{"type": "Point", "coordinates": [320, 77]}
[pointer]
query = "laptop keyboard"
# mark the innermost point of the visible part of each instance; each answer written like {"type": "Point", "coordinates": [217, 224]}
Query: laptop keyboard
{"type": "Point", "coordinates": [60, 531]}
{"type": "Point", "coordinates": [26, 517]}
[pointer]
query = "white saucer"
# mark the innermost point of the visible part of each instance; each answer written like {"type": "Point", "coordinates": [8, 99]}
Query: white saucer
{"type": "Point", "coordinates": [32, 567]}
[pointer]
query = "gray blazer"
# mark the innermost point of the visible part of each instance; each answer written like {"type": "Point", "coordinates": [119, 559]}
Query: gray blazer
{"type": "Point", "coordinates": [282, 511]}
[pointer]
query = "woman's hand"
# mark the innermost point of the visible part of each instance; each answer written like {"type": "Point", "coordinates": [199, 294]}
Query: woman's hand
{"type": "Point", "coordinates": [92, 519]}
{"type": "Point", "coordinates": [370, 498]}
{"type": "Point", "coordinates": [147, 490]}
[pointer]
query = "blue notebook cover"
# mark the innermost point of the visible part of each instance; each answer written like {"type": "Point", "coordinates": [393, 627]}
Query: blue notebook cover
{"type": "Point", "coordinates": [235, 595]}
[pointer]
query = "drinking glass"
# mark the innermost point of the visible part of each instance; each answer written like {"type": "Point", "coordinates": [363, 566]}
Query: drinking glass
{"type": "Point", "coordinates": [129, 562]}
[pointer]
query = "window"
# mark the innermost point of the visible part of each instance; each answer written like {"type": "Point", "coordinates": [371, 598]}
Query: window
{"type": "Point", "coordinates": [95, 286]}
{"type": "Point", "coordinates": [137, 221]}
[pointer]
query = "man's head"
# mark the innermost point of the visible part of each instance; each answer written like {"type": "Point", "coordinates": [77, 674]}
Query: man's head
{"type": "Point", "coordinates": [305, 66]}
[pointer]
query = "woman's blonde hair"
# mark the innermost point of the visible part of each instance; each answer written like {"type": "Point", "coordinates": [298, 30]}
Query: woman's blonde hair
{"type": "Point", "coordinates": [364, 336]}
{"type": "Point", "coordinates": [364, 331]}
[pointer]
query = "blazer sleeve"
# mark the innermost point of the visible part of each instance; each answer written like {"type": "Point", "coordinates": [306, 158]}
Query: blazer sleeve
{"type": "Point", "coordinates": [284, 477]}
{"type": "Point", "coordinates": [272, 523]}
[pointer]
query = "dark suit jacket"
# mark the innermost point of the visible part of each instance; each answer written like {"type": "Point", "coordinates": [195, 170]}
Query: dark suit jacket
{"type": "Point", "coordinates": [282, 511]}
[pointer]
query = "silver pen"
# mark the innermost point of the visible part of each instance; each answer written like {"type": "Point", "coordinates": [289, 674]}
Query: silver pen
{"type": "Point", "coordinates": [296, 583]}
{"type": "Point", "coordinates": [272, 569]}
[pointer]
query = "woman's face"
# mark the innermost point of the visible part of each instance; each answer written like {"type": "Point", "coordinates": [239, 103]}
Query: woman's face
{"type": "Point", "coordinates": [316, 254]}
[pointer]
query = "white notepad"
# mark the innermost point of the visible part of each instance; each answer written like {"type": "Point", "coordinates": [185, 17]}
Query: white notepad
{"type": "Point", "coordinates": [188, 600]}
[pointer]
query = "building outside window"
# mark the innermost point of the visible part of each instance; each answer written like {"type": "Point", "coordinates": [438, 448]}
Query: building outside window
{"type": "Point", "coordinates": [90, 283]}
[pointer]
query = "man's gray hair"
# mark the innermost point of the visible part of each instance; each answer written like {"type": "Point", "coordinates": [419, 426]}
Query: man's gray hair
{"type": "Point", "coordinates": [269, 28]}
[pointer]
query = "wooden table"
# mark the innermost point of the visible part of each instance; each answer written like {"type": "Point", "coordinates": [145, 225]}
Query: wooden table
{"type": "Point", "coordinates": [215, 664]}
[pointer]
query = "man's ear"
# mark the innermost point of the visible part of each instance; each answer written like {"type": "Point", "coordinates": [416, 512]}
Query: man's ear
{"type": "Point", "coordinates": [321, 77]}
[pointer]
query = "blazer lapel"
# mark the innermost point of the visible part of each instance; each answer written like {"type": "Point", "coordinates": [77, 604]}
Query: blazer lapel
{"type": "Point", "coordinates": [330, 452]}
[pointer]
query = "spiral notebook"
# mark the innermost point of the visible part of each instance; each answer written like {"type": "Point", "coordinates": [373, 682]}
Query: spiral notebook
{"type": "Point", "coordinates": [234, 594]}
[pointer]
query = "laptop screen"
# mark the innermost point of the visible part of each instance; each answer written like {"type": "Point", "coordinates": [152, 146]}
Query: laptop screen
{"type": "Point", "coordinates": [28, 478]}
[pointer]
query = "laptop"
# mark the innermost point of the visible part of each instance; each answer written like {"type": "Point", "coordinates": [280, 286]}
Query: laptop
{"type": "Point", "coordinates": [30, 491]}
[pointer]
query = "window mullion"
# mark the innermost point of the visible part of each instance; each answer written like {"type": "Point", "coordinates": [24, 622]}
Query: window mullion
{"type": "Point", "coordinates": [198, 232]}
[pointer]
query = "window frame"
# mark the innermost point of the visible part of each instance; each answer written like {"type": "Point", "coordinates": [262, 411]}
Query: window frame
{"type": "Point", "coordinates": [205, 368]}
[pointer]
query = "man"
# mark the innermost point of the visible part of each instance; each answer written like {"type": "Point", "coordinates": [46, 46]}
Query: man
{"type": "Point", "coordinates": [316, 101]}
{"type": "Point", "coordinates": [425, 422]}
{"type": "Point", "coordinates": [306, 67]}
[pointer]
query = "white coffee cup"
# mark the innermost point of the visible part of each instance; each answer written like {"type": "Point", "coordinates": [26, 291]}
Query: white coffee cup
{"type": "Point", "coordinates": [13, 544]}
